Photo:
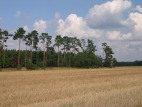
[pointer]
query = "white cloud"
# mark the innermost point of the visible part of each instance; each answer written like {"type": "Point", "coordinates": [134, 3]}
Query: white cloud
{"type": "Point", "coordinates": [112, 22]}
{"type": "Point", "coordinates": [40, 26]}
{"type": "Point", "coordinates": [108, 15]}
{"type": "Point", "coordinates": [136, 19]}
{"type": "Point", "coordinates": [26, 29]}
{"type": "Point", "coordinates": [127, 51]}
{"type": "Point", "coordinates": [76, 26]}
{"type": "Point", "coordinates": [139, 8]}
{"type": "Point", "coordinates": [117, 35]}
{"type": "Point", "coordinates": [103, 17]}
{"type": "Point", "coordinates": [99, 20]}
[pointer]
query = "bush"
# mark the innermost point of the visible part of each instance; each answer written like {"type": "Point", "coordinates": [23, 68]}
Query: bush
{"type": "Point", "coordinates": [31, 66]}
{"type": "Point", "coordinates": [40, 65]}
{"type": "Point", "coordinates": [19, 67]}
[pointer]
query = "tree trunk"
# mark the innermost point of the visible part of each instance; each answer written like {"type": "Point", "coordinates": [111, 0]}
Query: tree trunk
{"type": "Point", "coordinates": [19, 53]}
{"type": "Point", "coordinates": [3, 58]}
{"type": "Point", "coordinates": [64, 53]}
{"type": "Point", "coordinates": [69, 59]}
{"type": "Point", "coordinates": [31, 53]}
{"type": "Point", "coordinates": [2, 54]}
{"type": "Point", "coordinates": [0, 58]}
{"type": "Point", "coordinates": [26, 56]}
{"type": "Point", "coordinates": [103, 59]}
{"type": "Point", "coordinates": [44, 55]}
{"type": "Point", "coordinates": [1, 49]}
{"type": "Point", "coordinates": [46, 58]}
{"type": "Point", "coordinates": [58, 57]}
{"type": "Point", "coordinates": [111, 63]}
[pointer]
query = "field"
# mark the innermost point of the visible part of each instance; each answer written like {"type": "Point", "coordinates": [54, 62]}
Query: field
{"type": "Point", "coordinates": [117, 87]}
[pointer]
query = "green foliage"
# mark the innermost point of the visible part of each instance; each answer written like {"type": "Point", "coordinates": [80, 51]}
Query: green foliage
{"type": "Point", "coordinates": [63, 62]}
{"type": "Point", "coordinates": [34, 38]}
{"type": "Point", "coordinates": [69, 52]}
{"type": "Point", "coordinates": [0, 64]}
{"type": "Point", "coordinates": [86, 60]}
{"type": "Point", "coordinates": [19, 34]}
{"type": "Point", "coordinates": [135, 63]}
{"type": "Point", "coordinates": [31, 66]}
{"type": "Point", "coordinates": [19, 67]}
{"type": "Point", "coordinates": [40, 65]}
{"type": "Point", "coordinates": [91, 48]}
{"type": "Point", "coordinates": [58, 43]}
{"type": "Point", "coordinates": [108, 60]}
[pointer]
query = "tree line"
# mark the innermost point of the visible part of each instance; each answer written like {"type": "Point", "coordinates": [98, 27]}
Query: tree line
{"type": "Point", "coordinates": [135, 63]}
{"type": "Point", "coordinates": [70, 52]}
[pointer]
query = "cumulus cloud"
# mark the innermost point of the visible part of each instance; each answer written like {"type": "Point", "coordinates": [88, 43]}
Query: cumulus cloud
{"type": "Point", "coordinates": [136, 18]}
{"type": "Point", "coordinates": [117, 35]}
{"type": "Point", "coordinates": [40, 26]}
{"type": "Point", "coordinates": [26, 28]}
{"type": "Point", "coordinates": [99, 20]}
{"type": "Point", "coordinates": [108, 15]}
{"type": "Point", "coordinates": [113, 22]}
{"type": "Point", "coordinates": [139, 8]}
{"type": "Point", "coordinates": [104, 19]}
{"type": "Point", "coordinates": [76, 26]}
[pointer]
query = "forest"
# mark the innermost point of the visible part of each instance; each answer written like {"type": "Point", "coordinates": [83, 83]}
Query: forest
{"type": "Point", "coordinates": [64, 52]}
{"type": "Point", "coordinates": [70, 52]}
{"type": "Point", "coordinates": [134, 63]}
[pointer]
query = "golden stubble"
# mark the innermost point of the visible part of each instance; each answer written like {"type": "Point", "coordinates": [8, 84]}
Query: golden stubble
{"type": "Point", "coordinates": [117, 87]}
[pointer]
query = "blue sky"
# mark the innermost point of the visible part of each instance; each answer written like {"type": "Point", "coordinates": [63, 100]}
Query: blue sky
{"type": "Point", "coordinates": [40, 9]}
{"type": "Point", "coordinates": [116, 22]}
{"type": "Point", "coordinates": [33, 10]}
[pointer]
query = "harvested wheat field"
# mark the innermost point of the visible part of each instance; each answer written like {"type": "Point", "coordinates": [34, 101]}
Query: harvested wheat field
{"type": "Point", "coordinates": [117, 87]}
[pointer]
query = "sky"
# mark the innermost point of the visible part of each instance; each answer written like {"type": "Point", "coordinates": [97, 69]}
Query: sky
{"type": "Point", "coordinates": [117, 22]}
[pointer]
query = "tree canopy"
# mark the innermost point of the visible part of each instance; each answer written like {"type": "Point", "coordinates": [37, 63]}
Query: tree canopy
{"type": "Point", "coordinates": [41, 51]}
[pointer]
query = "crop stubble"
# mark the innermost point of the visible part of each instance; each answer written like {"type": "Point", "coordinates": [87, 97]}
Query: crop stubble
{"type": "Point", "coordinates": [117, 87]}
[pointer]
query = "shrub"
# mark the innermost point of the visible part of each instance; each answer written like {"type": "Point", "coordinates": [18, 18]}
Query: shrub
{"type": "Point", "coordinates": [19, 67]}
{"type": "Point", "coordinates": [40, 65]}
{"type": "Point", "coordinates": [31, 66]}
